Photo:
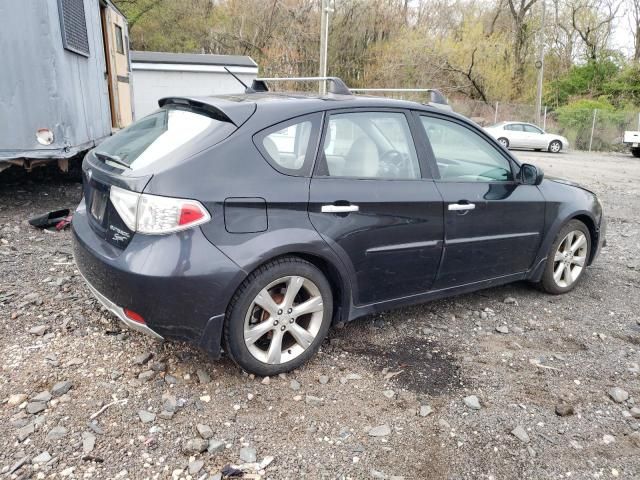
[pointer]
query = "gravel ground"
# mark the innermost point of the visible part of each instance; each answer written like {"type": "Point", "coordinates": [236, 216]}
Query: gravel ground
{"type": "Point", "coordinates": [500, 384]}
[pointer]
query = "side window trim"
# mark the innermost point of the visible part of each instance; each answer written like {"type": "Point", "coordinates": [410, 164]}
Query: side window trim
{"type": "Point", "coordinates": [513, 164]}
{"type": "Point", "coordinates": [321, 169]}
{"type": "Point", "coordinates": [316, 120]}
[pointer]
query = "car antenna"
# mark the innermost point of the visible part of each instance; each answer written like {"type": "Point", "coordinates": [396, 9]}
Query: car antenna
{"type": "Point", "coordinates": [247, 89]}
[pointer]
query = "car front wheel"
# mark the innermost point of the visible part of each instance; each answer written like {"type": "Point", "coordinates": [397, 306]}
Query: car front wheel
{"type": "Point", "coordinates": [567, 258]}
{"type": "Point", "coordinates": [504, 142]}
{"type": "Point", "coordinates": [555, 146]}
{"type": "Point", "coordinates": [278, 317]}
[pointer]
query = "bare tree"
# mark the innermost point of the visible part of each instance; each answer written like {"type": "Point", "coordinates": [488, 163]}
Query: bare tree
{"type": "Point", "coordinates": [593, 21]}
{"type": "Point", "coordinates": [520, 13]}
{"type": "Point", "coordinates": [634, 23]}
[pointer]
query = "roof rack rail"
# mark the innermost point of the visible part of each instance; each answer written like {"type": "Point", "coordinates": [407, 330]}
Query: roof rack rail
{"type": "Point", "coordinates": [336, 85]}
{"type": "Point", "coordinates": [436, 97]}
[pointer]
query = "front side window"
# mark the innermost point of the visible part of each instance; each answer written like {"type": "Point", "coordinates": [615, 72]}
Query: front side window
{"type": "Point", "coordinates": [514, 127]}
{"type": "Point", "coordinates": [464, 156]}
{"type": "Point", "coordinates": [370, 145]}
{"type": "Point", "coordinates": [531, 129]}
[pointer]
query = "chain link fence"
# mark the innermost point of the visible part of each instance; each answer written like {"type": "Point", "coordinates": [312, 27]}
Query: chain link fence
{"type": "Point", "coordinates": [586, 129]}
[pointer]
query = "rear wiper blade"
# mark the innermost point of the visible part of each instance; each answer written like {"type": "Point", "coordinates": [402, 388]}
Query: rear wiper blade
{"type": "Point", "coordinates": [112, 158]}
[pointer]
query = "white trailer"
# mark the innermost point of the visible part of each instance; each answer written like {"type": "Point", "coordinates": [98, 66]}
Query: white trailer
{"type": "Point", "coordinates": [159, 74]}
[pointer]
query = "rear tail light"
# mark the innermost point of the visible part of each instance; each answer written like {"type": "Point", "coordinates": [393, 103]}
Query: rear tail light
{"type": "Point", "coordinates": [155, 215]}
{"type": "Point", "coordinates": [136, 317]}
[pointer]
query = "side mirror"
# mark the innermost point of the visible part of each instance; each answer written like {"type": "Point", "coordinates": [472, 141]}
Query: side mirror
{"type": "Point", "coordinates": [530, 174]}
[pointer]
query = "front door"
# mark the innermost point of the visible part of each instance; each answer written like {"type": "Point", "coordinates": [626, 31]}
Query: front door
{"type": "Point", "coordinates": [535, 136]}
{"type": "Point", "coordinates": [493, 224]}
{"type": "Point", "coordinates": [369, 201]}
{"type": "Point", "coordinates": [116, 46]}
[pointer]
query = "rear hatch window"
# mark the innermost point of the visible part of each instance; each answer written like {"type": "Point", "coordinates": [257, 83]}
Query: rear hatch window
{"type": "Point", "coordinates": [129, 159]}
{"type": "Point", "coordinates": [167, 132]}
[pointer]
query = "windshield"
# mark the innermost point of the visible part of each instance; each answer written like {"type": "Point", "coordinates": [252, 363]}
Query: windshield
{"type": "Point", "coordinates": [157, 135]}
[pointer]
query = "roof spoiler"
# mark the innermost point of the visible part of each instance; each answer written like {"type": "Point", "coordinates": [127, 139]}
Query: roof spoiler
{"type": "Point", "coordinates": [436, 97]}
{"type": "Point", "coordinates": [217, 108]}
{"type": "Point", "coordinates": [336, 85]}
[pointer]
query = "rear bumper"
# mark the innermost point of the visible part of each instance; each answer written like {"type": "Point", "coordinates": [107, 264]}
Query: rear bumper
{"type": "Point", "coordinates": [119, 312]}
{"type": "Point", "coordinates": [179, 283]}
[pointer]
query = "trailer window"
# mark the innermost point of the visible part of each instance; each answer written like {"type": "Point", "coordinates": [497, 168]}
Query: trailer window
{"type": "Point", "coordinates": [73, 25]}
{"type": "Point", "coordinates": [119, 42]}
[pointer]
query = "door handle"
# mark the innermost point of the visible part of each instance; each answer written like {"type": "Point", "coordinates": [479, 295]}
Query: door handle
{"type": "Point", "coordinates": [339, 208]}
{"type": "Point", "coordinates": [459, 207]}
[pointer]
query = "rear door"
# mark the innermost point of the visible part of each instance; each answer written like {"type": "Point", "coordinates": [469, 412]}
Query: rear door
{"type": "Point", "coordinates": [516, 135]}
{"type": "Point", "coordinates": [373, 202]}
{"type": "Point", "coordinates": [493, 224]}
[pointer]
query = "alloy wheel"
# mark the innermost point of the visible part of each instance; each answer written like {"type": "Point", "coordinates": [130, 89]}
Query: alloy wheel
{"type": "Point", "coordinates": [504, 142]}
{"type": "Point", "coordinates": [570, 258]}
{"type": "Point", "coordinates": [555, 146]}
{"type": "Point", "coordinates": [283, 320]}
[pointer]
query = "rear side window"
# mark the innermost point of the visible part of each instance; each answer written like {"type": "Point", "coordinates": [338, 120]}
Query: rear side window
{"type": "Point", "coordinates": [161, 134]}
{"type": "Point", "coordinates": [290, 146]}
{"type": "Point", "coordinates": [370, 145]}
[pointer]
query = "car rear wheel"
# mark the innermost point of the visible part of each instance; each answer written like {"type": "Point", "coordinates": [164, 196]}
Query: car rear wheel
{"type": "Point", "coordinates": [504, 142]}
{"type": "Point", "coordinates": [278, 317]}
{"type": "Point", "coordinates": [635, 152]}
{"type": "Point", "coordinates": [567, 258]}
{"type": "Point", "coordinates": [555, 146]}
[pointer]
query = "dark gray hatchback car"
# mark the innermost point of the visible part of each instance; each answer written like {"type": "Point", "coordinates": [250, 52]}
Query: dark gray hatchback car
{"type": "Point", "coordinates": [252, 222]}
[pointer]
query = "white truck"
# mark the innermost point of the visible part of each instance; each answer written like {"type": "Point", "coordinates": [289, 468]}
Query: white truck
{"type": "Point", "coordinates": [632, 138]}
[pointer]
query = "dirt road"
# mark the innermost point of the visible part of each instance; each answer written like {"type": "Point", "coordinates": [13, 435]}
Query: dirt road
{"type": "Point", "coordinates": [389, 396]}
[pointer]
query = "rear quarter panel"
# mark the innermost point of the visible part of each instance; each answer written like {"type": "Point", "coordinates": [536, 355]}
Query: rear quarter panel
{"type": "Point", "coordinates": [232, 170]}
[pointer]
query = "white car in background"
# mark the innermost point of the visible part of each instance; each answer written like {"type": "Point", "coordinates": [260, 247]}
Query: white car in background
{"type": "Point", "coordinates": [525, 135]}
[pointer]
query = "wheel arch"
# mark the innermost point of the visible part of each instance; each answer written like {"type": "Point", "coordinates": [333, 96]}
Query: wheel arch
{"type": "Point", "coordinates": [584, 217]}
{"type": "Point", "coordinates": [593, 231]}
{"type": "Point", "coordinates": [340, 287]}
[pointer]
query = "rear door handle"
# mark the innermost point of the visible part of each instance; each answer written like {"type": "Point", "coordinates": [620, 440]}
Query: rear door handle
{"type": "Point", "coordinates": [339, 208]}
{"type": "Point", "coordinates": [459, 207]}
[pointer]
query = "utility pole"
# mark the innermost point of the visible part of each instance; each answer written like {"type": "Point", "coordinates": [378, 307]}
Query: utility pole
{"type": "Point", "coordinates": [324, 41]}
{"type": "Point", "coordinates": [540, 67]}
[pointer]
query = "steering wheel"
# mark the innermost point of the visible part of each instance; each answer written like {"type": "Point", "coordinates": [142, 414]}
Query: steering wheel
{"type": "Point", "coordinates": [391, 164]}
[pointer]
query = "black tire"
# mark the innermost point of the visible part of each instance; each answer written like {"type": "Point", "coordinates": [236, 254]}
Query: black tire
{"type": "Point", "coordinates": [242, 300]}
{"type": "Point", "coordinates": [548, 283]}
{"type": "Point", "coordinates": [504, 142]}
{"type": "Point", "coordinates": [635, 152]}
{"type": "Point", "coordinates": [555, 146]}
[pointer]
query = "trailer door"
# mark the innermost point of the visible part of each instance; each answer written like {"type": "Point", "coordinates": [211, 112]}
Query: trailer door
{"type": "Point", "coordinates": [116, 45]}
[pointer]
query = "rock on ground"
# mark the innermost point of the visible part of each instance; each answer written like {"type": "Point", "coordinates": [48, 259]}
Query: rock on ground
{"type": "Point", "coordinates": [472, 402]}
